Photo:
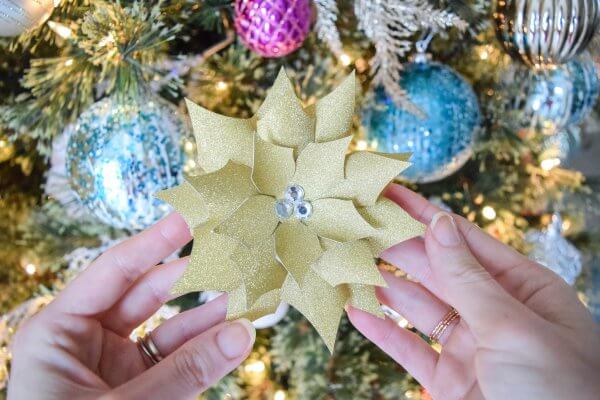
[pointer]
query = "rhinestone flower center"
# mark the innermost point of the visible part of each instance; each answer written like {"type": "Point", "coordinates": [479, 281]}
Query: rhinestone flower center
{"type": "Point", "coordinates": [293, 204]}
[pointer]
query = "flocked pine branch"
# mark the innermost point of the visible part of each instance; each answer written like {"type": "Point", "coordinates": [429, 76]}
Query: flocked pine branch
{"type": "Point", "coordinates": [113, 49]}
{"type": "Point", "coordinates": [327, 14]}
{"type": "Point", "coordinates": [391, 26]}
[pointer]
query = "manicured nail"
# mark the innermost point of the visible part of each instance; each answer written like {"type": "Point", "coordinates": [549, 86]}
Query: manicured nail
{"type": "Point", "coordinates": [235, 338]}
{"type": "Point", "coordinates": [444, 229]}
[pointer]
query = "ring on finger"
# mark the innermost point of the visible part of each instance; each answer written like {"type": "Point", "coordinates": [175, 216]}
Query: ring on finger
{"type": "Point", "coordinates": [148, 348]}
{"type": "Point", "coordinates": [441, 327]}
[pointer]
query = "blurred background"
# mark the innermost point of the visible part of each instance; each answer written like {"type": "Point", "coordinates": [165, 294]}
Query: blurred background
{"type": "Point", "coordinates": [497, 101]}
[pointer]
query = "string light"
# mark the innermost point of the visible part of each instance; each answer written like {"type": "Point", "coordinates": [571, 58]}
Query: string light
{"type": "Point", "coordinates": [488, 213]}
{"type": "Point", "coordinates": [550, 163]}
{"type": "Point", "coordinates": [30, 269]}
{"type": "Point", "coordinates": [69, 62]}
{"type": "Point", "coordinates": [255, 367]}
{"type": "Point", "coordinates": [361, 144]}
{"type": "Point", "coordinates": [106, 40]}
{"type": "Point", "coordinates": [345, 59]}
{"type": "Point", "coordinates": [60, 29]}
{"type": "Point", "coordinates": [220, 86]}
{"type": "Point", "coordinates": [279, 395]}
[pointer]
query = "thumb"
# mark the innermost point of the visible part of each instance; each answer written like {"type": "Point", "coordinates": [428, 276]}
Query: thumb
{"type": "Point", "coordinates": [465, 283]}
{"type": "Point", "coordinates": [195, 366]}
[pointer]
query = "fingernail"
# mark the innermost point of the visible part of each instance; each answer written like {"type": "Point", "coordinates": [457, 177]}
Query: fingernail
{"type": "Point", "coordinates": [444, 229]}
{"type": "Point", "coordinates": [235, 338]}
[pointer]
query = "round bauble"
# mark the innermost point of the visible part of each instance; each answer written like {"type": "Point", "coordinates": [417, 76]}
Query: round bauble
{"type": "Point", "coordinates": [535, 100]}
{"type": "Point", "coordinates": [553, 251]}
{"type": "Point", "coordinates": [584, 76]}
{"type": "Point", "coordinates": [18, 16]}
{"type": "Point", "coordinates": [123, 150]}
{"type": "Point", "coordinates": [272, 28]}
{"type": "Point", "coordinates": [542, 33]}
{"type": "Point", "coordinates": [440, 142]}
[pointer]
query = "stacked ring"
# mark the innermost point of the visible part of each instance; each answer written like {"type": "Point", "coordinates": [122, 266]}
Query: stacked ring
{"type": "Point", "coordinates": [438, 331]}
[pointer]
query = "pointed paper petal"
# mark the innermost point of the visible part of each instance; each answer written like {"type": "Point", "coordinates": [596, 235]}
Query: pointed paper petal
{"type": "Point", "coordinates": [220, 139]}
{"type": "Point", "coordinates": [393, 224]}
{"type": "Point", "coordinates": [367, 174]}
{"type": "Point", "coordinates": [281, 118]}
{"type": "Point", "coordinates": [320, 167]}
{"type": "Point", "coordinates": [350, 262]}
{"type": "Point", "coordinates": [187, 202]}
{"type": "Point", "coordinates": [363, 297]}
{"type": "Point", "coordinates": [395, 156]}
{"type": "Point", "coordinates": [224, 190]}
{"type": "Point", "coordinates": [260, 270]}
{"type": "Point", "coordinates": [334, 112]}
{"type": "Point", "coordinates": [253, 222]}
{"type": "Point", "coordinates": [319, 302]}
{"type": "Point", "coordinates": [338, 220]}
{"type": "Point", "coordinates": [265, 305]}
{"type": "Point", "coordinates": [297, 247]}
{"type": "Point", "coordinates": [210, 266]}
{"type": "Point", "coordinates": [274, 167]}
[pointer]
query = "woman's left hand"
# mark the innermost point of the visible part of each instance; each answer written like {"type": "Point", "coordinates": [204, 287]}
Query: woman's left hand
{"type": "Point", "coordinates": [79, 346]}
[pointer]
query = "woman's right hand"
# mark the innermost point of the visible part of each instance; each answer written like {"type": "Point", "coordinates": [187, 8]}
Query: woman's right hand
{"type": "Point", "coordinates": [522, 332]}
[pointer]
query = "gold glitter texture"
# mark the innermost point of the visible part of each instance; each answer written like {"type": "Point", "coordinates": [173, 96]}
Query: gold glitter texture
{"type": "Point", "coordinates": [318, 264]}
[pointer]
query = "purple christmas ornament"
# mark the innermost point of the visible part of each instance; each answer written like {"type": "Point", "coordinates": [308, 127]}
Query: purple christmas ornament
{"type": "Point", "coordinates": [272, 28]}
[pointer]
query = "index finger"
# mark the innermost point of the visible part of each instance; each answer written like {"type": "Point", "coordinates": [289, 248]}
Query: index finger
{"type": "Point", "coordinates": [102, 284]}
{"type": "Point", "coordinates": [484, 247]}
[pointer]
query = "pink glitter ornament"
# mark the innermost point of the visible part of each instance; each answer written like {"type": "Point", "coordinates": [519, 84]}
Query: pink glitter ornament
{"type": "Point", "coordinates": [272, 28]}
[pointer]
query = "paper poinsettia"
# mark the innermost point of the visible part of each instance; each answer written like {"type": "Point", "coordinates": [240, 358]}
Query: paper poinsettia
{"type": "Point", "coordinates": [284, 213]}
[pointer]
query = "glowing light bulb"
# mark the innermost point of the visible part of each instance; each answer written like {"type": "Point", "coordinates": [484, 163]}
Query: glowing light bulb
{"type": "Point", "coordinates": [69, 62]}
{"type": "Point", "coordinates": [488, 212]}
{"type": "Point", "coordinates": [30, 269]}
{"type": "Point", "coordinates": [255, 367]}
{"type": "Point", "coordinates": [550, 163]}
{"type": "Point", "coordinates": [361, 144]}
{"type": "Point", "coordinates": [279, 395]}
{"type": "Point", "coordinates": [220, 86]}
{"type": "Point", "coordinates": [345, 59]}
{"type": "Point", "coordinates": [61, 30]}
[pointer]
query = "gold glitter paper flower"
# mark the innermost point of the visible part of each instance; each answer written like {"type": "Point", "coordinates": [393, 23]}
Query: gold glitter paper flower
{"type": "Point", "coordinates": [284, 213]}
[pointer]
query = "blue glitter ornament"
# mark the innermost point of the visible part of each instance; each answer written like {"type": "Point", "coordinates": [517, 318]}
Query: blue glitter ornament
{"type": "Point", "coordinates": [121, 151]}
{"type": "Point", "coordinates": [584, 76]}
{"type": "Point", "coordinates": [441, 142]}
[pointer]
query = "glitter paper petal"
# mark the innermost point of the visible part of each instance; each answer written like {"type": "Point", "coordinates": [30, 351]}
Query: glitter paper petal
{"type": "Point", "coordinates": [350, 262]}
{"type": "Point", "coordinates": [281, 118]}
{"type": "Point", "coordinates": [339, 220]}
{"type": "Point", "coordinates": [224, 190]}
{"type": "Point", "coordinates": [253, 222]}
{"type": "Point", "coordinates": [393, 224]}
{"type": "Point", "coordinates": [334, 112]}
{"type": "Point", "coordinates": [320, 167]}
{"type": "Point", "coordinates": [297, 247]}
{"type": "Point", "coordinates": [265, 305]}
{"type": "Point", "coordinates": [187, 202]}
{"type": "Point", "coordinates": [319, 302]}
{"type": "Point", "coordinates": [363, 297]}
{"type": "Point", "coordinates": [260, 270]}
{"type": "Point", "coordinates": [210, 267]}
{"type": "Point", "coordinates": [220, 139]}
{"type": "Point", "coordinates": [274, 167]}
{"type": "Point", "coordinates": [367, 174]}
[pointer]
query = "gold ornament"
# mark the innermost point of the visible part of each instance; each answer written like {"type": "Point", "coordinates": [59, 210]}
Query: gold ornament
{"type": "Point", "coordinates": [284, 213]}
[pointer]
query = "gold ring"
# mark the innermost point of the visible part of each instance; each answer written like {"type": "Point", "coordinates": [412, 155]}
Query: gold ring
{"type": "Point", "coordinates": [147, 347]}
{"type": "Point", "coordinates": [438, 331]}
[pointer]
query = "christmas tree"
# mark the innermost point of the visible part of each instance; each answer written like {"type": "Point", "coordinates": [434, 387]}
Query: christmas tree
{"type": "Point", "coordinates": [93, 123]}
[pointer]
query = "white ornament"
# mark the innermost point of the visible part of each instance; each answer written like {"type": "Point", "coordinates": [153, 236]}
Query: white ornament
{"type": "Point", "coordinates": [264, 322]}
{"type": "Point", "coordinates": [18, 16]}
{"type": "Point", "coordinates": [554, 252]}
